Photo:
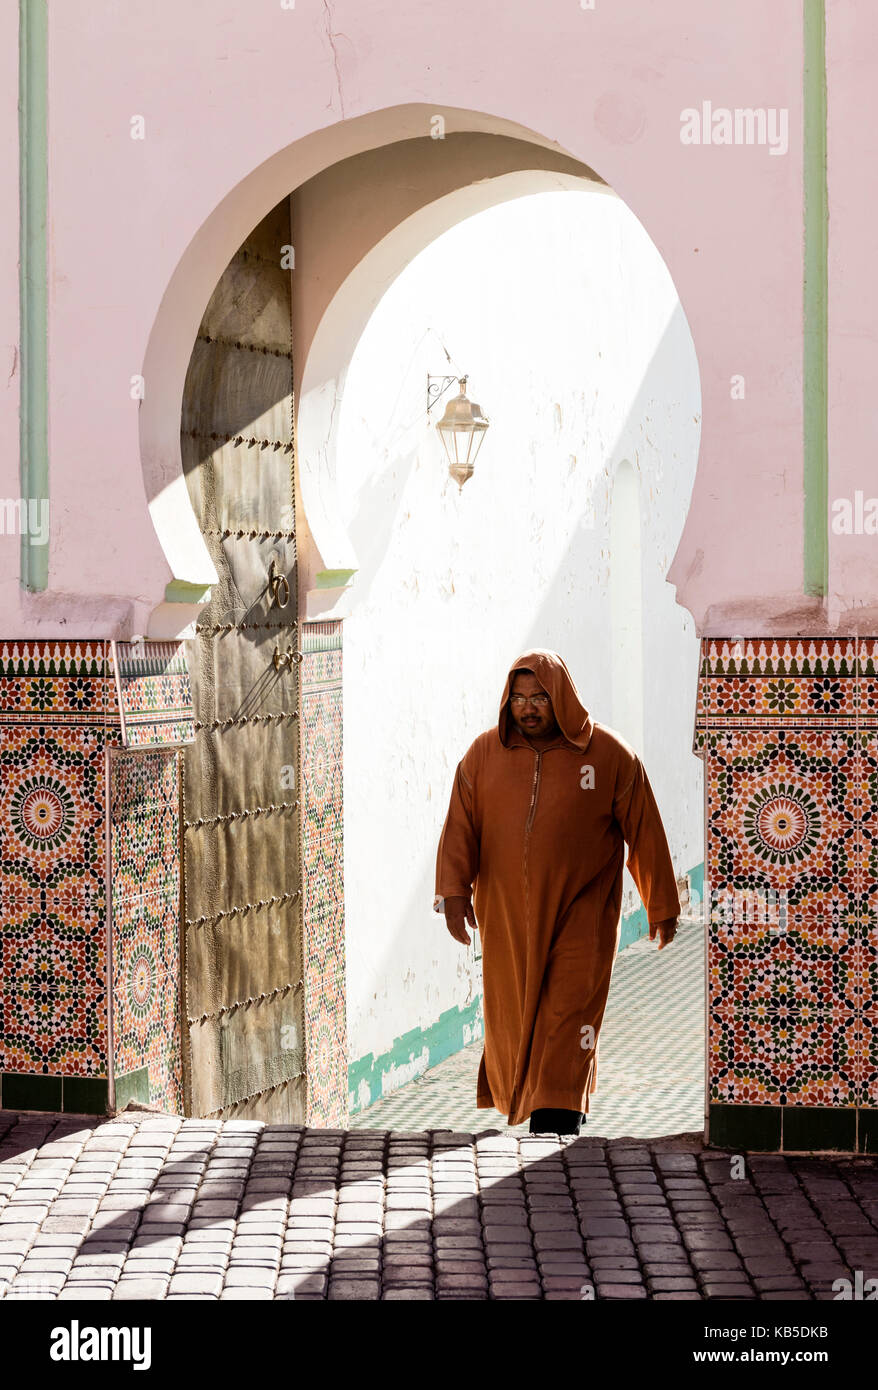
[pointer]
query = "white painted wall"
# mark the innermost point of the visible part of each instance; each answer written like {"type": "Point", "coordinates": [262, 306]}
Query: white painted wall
{"type": "Point", "coordinates": [626, 606]}
{"type": "Point", "coordinates": [561, 311]}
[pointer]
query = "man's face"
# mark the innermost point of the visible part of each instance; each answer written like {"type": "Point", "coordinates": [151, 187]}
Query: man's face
{"type": "Point", "coordinates": [534, 720]}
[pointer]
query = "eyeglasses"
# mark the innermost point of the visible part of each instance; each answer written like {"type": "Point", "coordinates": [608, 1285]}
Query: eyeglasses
{"type": "Point", "coordinates": [539, 700]}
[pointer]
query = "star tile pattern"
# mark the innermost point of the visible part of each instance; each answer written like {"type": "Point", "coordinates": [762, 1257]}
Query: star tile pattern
{"type": "Point", "coordinates": [788, 731]}
{"type": "Point", "coordinates": [145, 895]}
{"type": "Point", "coordinates": [77, 815]}
{"type": "Point", "coordinates": [54, 730]}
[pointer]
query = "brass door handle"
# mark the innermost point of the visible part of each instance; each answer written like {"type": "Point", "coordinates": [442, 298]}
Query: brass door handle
{"type": "Point", "coordinates": [278, 583]}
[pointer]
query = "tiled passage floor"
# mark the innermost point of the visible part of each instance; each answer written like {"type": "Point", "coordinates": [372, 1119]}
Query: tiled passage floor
{"type": "Point", "coordinates": [651, 1054]}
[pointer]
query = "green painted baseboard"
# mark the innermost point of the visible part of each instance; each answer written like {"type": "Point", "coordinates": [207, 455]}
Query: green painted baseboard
{"type": "Point", "coordinates": [415, 1052]}
{"type": "Point", "coordinates": [635, 926]}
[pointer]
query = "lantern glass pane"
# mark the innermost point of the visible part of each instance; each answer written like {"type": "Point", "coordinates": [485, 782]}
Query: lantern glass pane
{"type": "Point", "coordinates": [462, 442]}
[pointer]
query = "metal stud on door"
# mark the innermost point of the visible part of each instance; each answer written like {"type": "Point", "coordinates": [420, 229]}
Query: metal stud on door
{"type": "Point", "coordinates": [242, 876]}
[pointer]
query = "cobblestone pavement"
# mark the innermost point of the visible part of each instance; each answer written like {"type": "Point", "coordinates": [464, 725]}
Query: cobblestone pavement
{"type": "Point", "coordinates": [150, 1206]}
{"type": "Point", "coordinates": [651, 1072]}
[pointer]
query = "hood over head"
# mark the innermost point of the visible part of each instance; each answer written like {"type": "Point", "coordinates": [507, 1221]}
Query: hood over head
{"type": "Point", "coordinates": [573, 718]}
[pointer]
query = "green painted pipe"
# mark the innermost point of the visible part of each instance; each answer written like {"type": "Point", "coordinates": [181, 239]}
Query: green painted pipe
{"type": "Point", "coordinates": [33, 186]}
{"type": "Point", "coordinates": [815, 345]}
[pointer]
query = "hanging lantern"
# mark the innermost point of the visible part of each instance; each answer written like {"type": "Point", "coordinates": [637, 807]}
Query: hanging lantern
{"type": "Point", "coordinates": [462, 429]}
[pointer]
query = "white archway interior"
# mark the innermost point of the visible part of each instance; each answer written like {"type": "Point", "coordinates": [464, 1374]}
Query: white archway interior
{"type": "Point", "coordinates": [633, 392]}
{"type": "Point", "coordinates": [626, 605]}
{"type": "Point", "coordinates": [327, 558]}
{"type": "Point", "coordinates": [559, 307]}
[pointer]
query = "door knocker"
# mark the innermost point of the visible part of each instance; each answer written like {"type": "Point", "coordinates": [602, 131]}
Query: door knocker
{"type": "Point", "coordinates": [277, 584]}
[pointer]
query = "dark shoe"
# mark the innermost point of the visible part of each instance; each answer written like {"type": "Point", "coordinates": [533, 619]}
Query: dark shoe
{"type": "Point", "coordinates": [555, 1121]}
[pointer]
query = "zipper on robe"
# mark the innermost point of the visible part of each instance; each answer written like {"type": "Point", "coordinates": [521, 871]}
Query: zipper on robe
{"type": "Point", "coordinates": [535, 789]}
{"type": "Point", "coordinates": [534, 793]}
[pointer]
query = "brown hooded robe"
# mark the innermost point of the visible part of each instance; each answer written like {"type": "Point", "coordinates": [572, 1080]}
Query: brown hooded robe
{"type": "Point", "coordinates": [540, 834]}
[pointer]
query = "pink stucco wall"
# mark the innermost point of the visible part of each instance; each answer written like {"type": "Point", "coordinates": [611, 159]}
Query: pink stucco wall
{"type": "Point", "coordinates": [852, 62]}
{"type": "Point", "coordinates": [224, 87]}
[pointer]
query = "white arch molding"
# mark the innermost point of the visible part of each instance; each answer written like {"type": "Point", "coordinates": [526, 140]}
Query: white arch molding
{"type": "Point", "coordinates": [326, 556]}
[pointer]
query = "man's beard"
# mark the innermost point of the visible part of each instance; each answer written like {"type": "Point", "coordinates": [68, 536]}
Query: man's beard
{"type": "Point", "coordinates": [539, 726]}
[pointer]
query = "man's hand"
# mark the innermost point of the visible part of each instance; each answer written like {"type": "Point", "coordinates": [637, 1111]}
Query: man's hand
{"type": "Point", "coordinates": [666, 931]}
{"type": "Point", "coordinates": [459, 911]}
